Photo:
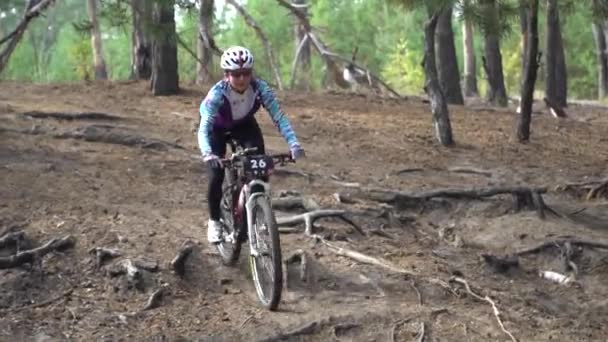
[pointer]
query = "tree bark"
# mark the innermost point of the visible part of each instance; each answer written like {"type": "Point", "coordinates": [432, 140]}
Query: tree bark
{"type": "Point", "coordinates": [303, 81]}
{"type": "Point", "coordinates": [497, 94]}
{"type": "Point", "coordinates": [141, 45]}
{"type": "Point", "coordinates": [99, 61]}
{"type": "Point", "coordinates": [165, 77]}
{"type": "Point", "coordinates": [439, 107]}
{"type": "Point", "coordinates": [205, 24]}
{"type": "Point", "coordinates": [447, 68]}
{"type": "Point", "coordinates": [556, 82]}
{"type": "Point", "coordinates": [602, 58]}
{"type": "Point", "coordinates": [470, 65]}
{"type": "Point", "coordinates": [527, 91]}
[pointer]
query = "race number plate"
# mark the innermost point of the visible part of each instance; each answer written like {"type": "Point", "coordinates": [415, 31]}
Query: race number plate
{"type": "Point", "coordinates": [259, 165]}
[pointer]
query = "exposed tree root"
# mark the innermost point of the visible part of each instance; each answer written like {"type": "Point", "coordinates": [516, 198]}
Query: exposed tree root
{"type": "Point", "coordinates": [114, 135]}
{"type": "Point", "coordinates": [588, 190]}
{"type": "Point", "coordinates": [490, 301]}
{"type": "Point", "coordinates": [155, 300]}
{"type": "Point", "coordinates": [421, 333]}
{"type": "Point", "coordinates": [11, 238]}
{"type": "Point", "coordinates": [179, 262]}
{"type": "Point", "coordinates": [72, 116]}
{"type": "Point", "coordinates": [31, 255]}
{"type": "Point", "coordinates": [301, 257]}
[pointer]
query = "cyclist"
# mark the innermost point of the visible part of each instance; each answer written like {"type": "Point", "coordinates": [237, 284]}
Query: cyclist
{"type": "Point", "coordinates": [228, 110]}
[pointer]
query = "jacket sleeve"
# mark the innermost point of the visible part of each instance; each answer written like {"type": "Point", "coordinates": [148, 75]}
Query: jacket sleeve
{"type": "Point", "coordinates": [279, 118]}
{"type": "Point", "coordinates": [209, 111]}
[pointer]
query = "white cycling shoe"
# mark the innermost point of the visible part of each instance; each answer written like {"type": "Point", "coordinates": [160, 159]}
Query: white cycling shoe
{"type": "Point", "coordinates": [214, 232]}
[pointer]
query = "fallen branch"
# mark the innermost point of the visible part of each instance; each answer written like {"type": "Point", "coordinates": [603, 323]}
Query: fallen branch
{"type": "Point", "coordinates": [557, 243]}
{"type": "Point", "coordinates": [488, 300]}
{"type": "Point", "coordinates": [413, 284]}
{"type": "Point", "coordinates": [31, 255]}
{"type": "Point", "coordinates": [323, 50]}
{"type": "Point", "coordinates": [72, 116]}
{"type": "Point", "coordinates": [310, 217]}
{"type": "Point", "coordinates": [179, 262]}
{"type": "Point", "coordinates": [589, 190]}
{"type": "Point", "coordinates": [258, 30]}
{"type": "Point", "coordinates": [102, 254]}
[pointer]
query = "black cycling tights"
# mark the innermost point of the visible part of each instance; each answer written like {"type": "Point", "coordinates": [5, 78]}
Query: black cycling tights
{"type": "Point", "coordinates": [248, 134]}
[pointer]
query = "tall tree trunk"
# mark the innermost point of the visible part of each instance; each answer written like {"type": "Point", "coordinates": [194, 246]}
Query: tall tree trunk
{"type": "Point", "coordinates": [141, 44]}
{"type": "Point", "coordinates": [439, 107]}
{"type": "Point", "coordinates": [497, 94]}
{"type": "Point", "coordinates": [602, 58]}
{"type": "Point", "coordinates": [523, 24]}
{"type": "Point", "coordinates": [205, 24]}
{"type": "Point", "coordinates": [449, 75]}
{"type": "Point", "coordinates": [165, 77]}
{"type": "Point", "coordinates": [470, 64]}
{"type": "Point", "coordinates": [556, 81]}
{"type": "Point", "coordinates": [100, 63]}
{"type": "Point", "coordinates": [303, 81]}
{"type": "Point", "coordinates": [527, 90]}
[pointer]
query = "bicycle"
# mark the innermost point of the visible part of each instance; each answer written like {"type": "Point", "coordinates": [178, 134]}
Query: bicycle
{"type": "Point", "coordinates": [246, 214]}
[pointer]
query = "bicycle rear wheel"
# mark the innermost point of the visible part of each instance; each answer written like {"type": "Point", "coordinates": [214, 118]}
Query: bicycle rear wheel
{"type": "Point", "coordinates": [266, 267]}
{"type": "Point", "coordinates": [230, 247]}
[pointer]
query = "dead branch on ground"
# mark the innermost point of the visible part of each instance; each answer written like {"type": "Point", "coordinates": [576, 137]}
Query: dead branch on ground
{"type": "Point", "coordinates": [114, 135]}
{"type": "Point", "coordinates": [178, 264]}
{"type": "Point", "coordinates": [258, 30]}
{"type": "Point", "coordinates": [28, 256]}
{"type": "Point", "coordinates": [488, 300]}
{"type": "Point", "coordinates": [558, 243]}
{"type": "Point", "coordinates": [103, 254]}
{"type": "Point", "coordinates": [310, 217]}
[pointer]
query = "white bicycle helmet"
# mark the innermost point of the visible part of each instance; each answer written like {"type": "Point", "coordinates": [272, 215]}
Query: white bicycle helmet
{"type": "Point", "coordinates": [236, 57]}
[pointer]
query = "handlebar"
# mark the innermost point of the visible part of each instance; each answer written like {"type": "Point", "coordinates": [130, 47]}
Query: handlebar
{"type": "Point", "coordinates": [281, 158]}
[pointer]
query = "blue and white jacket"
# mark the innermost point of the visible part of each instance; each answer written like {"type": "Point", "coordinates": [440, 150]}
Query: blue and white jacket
{"type": "Point", "coordinates": [223, 108]}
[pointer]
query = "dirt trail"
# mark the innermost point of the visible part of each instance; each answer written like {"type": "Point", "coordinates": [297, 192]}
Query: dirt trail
{"type": "Point", "coordinates": [145, 196]}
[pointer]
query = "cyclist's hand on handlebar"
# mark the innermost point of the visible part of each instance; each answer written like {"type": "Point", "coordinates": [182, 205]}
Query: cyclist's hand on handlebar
{"type": "Point", "coordinates": [213, 161]}
{"type": "Point", "coordinates": [297, 152]}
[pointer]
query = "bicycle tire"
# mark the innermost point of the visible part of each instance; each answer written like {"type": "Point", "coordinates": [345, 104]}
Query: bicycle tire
{"type": "Point", "coordinates": [229, 251]}
{"type": "Point", "coordinates": [271, 300]}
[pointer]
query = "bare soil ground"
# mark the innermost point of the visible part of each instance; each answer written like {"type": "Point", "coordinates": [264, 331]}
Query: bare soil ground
{"type": "Point", "coordinates": [147, 199]}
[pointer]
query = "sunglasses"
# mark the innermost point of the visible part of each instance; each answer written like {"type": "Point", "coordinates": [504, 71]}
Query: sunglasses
{"type": "Point", "coordinates": [238, 74]}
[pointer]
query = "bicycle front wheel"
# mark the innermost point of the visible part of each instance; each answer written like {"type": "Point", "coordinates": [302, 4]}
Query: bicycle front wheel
{"type": "Point", "coordinates": [265, 259]}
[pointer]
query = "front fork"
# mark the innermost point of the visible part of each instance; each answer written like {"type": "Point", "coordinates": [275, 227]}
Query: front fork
{"type": "Point", "coordinates": [249, 199]}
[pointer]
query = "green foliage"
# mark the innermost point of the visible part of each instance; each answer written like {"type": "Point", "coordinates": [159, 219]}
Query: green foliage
{"type": "Point", "coordinates": [387, 33]}
{"type": "Point", "coordinates": [403, 69]}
